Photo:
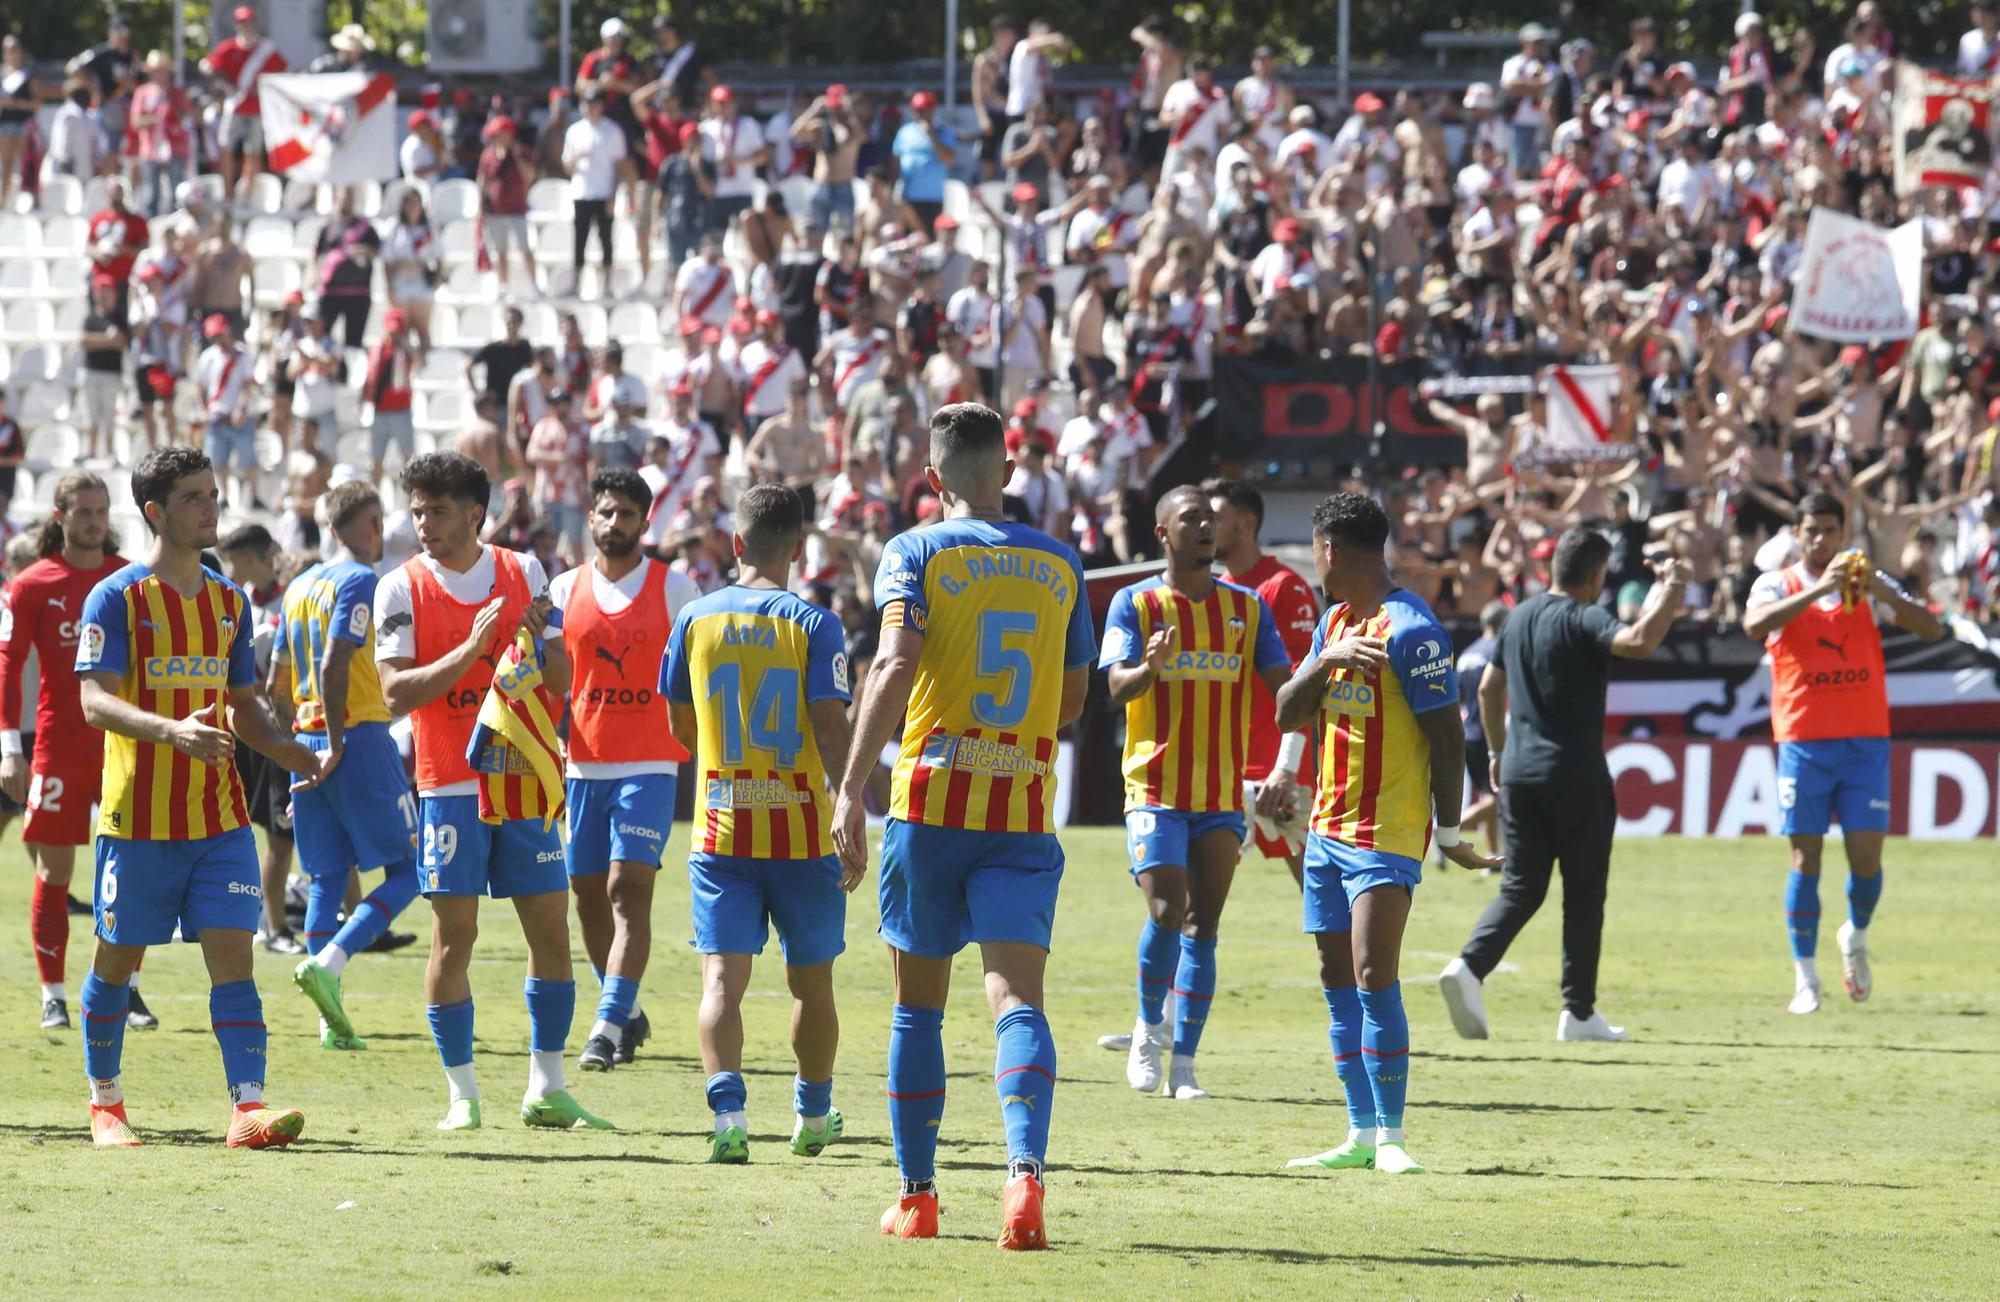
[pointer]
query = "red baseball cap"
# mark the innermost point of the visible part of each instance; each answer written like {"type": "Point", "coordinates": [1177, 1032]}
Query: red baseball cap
{"type": "Point", "coordinates": [295, 299]}
{"type": "Point", "coordinates": [923, 101]}
{"type": "Point", "coordinates": [721, 95]}
{"type": "Point", "coordinates": [243, 14]}
{"type": "Point", "coordinates": [739, 326]}
{"type": "Point", "coordinates": [836, 94]}
{"type": "Point", "coordinates": [711, 335]}
{"type": "Point", "coordinates": [494, 126]}
{"type": "Point", "coordinates": [1024, 408]}
{"type": "Point", "coordinates": [1993, 410]}
{"type": "Point", "coordinates": [945, 222]}
{"type": "Point", "coordinates": [681, 388]}
{"type": "Point", "coordinates": [1368, 102]}
{"type": "Point", "coordinates": [214, 325]}
{"type": "Point", "coordinates": [1286, 230]}
{"type": "Point", "coordinates": [151, 271]}
{"type": "Point", "coordinates": [765, 316]}
{"type": "Point", "coordinates": [1025, 191]}
{"type": "Point", "coordinates": [1545, 549]}
{"type": "Point", "coordinates": [420, 118]}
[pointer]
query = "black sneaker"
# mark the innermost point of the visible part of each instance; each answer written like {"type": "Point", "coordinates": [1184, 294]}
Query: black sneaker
{"type": "Point", "coordinates": [598, 1054]}
{"type": "Point", "coordinates": [55, 1015]}
{"type": "Point", "coordinates": [391, 941]}
{"type": "Point", "coordinates": [637, 1032]}
{"type": "Point", "coordinates": [137, 1015]}
{"type": "Point", "coordinates": [77, 908]}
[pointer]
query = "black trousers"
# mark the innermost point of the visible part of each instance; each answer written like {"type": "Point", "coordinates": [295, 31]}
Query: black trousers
{"type": "Point", "coordinates": [1546, 825]}
{"type": "Point", "coordinates": [591, 214]}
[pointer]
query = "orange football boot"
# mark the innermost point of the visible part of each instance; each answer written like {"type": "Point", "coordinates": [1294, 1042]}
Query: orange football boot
{"type": "Point", "coordinates": [1021, 1219]}
{"type": "Point", "coordinates": [109, 1129]}
{"type": "Point", "coordinates": [914, 1217]}
{"type": "Point", "coordinates": [255, 1126]}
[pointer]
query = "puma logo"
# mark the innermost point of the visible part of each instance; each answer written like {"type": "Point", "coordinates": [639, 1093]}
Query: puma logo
{"type": "Point", "coordinates": [616, 661]}
{"type": "Point", "coordinates": [60, 603]}
{"type": "Point", "coordinates": [1838, 648]}
{"type": "Point", "coordinates": [1025, 1100]}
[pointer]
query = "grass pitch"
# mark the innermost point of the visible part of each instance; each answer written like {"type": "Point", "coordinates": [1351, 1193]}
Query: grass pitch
{"type": "Point", "coordinates": [1729, 1150]}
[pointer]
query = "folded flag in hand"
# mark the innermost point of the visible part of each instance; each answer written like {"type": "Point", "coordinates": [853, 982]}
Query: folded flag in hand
{"type": "Point", "coordinates": [514, 747]}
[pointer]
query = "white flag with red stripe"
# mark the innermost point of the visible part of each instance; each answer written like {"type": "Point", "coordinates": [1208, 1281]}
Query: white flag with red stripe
{"type": "Point", "coordinates": [334, 128]}
{"type": "Point", "coordinates": [1580, 401]}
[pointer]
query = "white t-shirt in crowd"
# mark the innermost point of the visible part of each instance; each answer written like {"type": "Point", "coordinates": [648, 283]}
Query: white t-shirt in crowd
{"type": "Point", "coordinates": [1527, 109]}
{"type": "Point", "coordinates": [592, 152]}
{"type": "Point", "coordinates": [730, 145]}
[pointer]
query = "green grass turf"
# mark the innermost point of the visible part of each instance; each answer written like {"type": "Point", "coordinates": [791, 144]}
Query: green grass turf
{"type": "Point", "coordinates": [1728, 1150]}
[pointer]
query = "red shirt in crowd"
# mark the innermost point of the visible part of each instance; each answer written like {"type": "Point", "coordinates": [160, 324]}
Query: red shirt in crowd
{"type": "Point", "coordinates": [390, 375]}
{"type": "Point", "coordinates": [132, 239]}
{"type": "Point", "coordinates": [225, 63]}
{"type": "Point", "coordinates": [503, 190]}
{"type": "Point", "coordinates": [665, 137]}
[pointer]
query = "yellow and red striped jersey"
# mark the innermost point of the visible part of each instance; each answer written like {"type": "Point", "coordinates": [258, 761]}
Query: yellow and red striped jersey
{"type": "Point", "coordinates": [1002, 611]}
{"type": "Point", "coordinates": [1374, 761]}
{"type": "Point", "coordinates": [751, 661]}
{"type": "Point", "coordinates": [173, 655]}
{"type": "Point", "coordinates": [1188, 736]}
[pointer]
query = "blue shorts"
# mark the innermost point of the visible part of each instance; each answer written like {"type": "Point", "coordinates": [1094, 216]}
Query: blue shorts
{"type": "Point", "coordinates": [735, 899]}
{"type": "Point", "coordinates": [145, 889]}
{"type": "Point", "coordinates": [347, 821]}
{"type": "Point", "coordinates": [1337, 874]}
{"type": "Point", "coordinates": [462, 856]}
{"type": "Point", "coordinates": [1846, 777]}
{"type": "Point", "coordinates": [1159, 838]}
{"type": "Point", "coordinates": [618, 820]}
{"type": "Point", "coordinates": [945, 887]}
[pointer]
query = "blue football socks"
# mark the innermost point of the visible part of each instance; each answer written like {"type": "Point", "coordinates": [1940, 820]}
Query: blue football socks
{"type": "Point", "coordinates": [614, 1006]}
{"type": "Point", "coordinates": [812, 1098]}
{"type": "Point", "coordinates": [1024, 1075]}
{"type": "Point", "coordinates": [726, 1092]}
{"type": "Point", "coordinates": [1194, 991]}
{"type": "Point", "coordinates": [1863, 893]}
{"type": "Point", "coordinates": [1156, 970]}
{"type": "Point", "coordinates": [104, 1007]}
{"type": "Point", "coordinates": [237, 1016]}
{"type": "Point", "coordinates": [916, 1088]}
{"type": "Point", "coordinates": [323, 899]}
{"type": "Point", "coordinates": [451, 1031]}
{"type": "Point", "coordinates": [1802, 912]}
{"type": "Point", "coordinates": [1385, 1050]}
{"type": "Point", "coordinates": [1343, 1010]}
{"type": "Point", "coordinates": [376, 911]}
{"type": "Point", "coordinates": [551, 1009]}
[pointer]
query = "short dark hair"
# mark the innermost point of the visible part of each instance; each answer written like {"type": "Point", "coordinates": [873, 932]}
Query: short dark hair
{"type": "Point", "coordinates": [448, 474]}
{"type": "Point", "coordinates": [1352, 520]}
{"type": "Point", "coordinates": [1819, 502]}
{"type": "Point", "coordinates": [770, 517]}
{"type": "Point", "coordinates": [159, 470]}
{"type": "Point", "coordinates": [1238, 493]}
{"type": "Point", "coordinates": [1580, 554]}
{"type": "Point", "coordinates": [251, 537]}
{"type": "Point", "coordinates": [965, 432]}
{"type": "Point", "coordinates": [345, 501]}
{"type": "Point", "coordinates": [622, 483]}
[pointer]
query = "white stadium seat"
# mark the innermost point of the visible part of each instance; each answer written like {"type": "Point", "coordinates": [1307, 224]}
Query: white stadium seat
{"type": "Point", "coordinates": [27, 321]}
{"type": "Point", "coordinates": [20, 236]}
{"type": "Point", "coordinates": [479, 324]}
{"type": "Point", "coordinates": [454, 200]}
{"type": "Point", "coordinates": [272, 279]}
{"type": "Point", "coordinates": [61, 195]}
{"type": "Point", "coordinates": [268, 237]}
{"type": "Point", "coordinates": [64, 235]}
{"type": "Point", "coordinates": [68, 277]}
{"type": "Point", "coordinates": [635, 323]}
{"type": "Point", "coordinates": [267, 194]}
{"type": "Point", "coordinates": [549, 197]}
{"type": "Point", "coordinates": [458, 237]}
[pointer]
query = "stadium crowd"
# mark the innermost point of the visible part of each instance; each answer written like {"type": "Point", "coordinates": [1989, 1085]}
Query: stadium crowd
{"type": "Point", "coordinates": [785, 288]}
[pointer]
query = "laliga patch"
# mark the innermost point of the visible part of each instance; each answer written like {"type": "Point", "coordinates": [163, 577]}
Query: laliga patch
{"type": "Point", "coordinates": [357, 622]}
{"type": "Point", "coordinates": [840, 670]}
{"type": "Point", "coordinates": [90, 649]}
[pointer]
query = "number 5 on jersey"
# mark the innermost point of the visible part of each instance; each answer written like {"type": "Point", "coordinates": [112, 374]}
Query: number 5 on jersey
{"type": "Point", "coordinates": [1003, 668]}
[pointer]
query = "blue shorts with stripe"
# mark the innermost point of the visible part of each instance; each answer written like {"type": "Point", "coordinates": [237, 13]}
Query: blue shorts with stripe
{"type": "Point", "coordinates": [946, 887]}
{"type": "Point", "coordinates": [736, 900]}
{"type": "Point", "coordinates": [618, 820]}
{"type": "Point", "coordinates": [1337, 874]}
{"type": "Point", "coordinates": [460, 855]}
{"type": "Point", "coordinates": [364, 815]}
{"type": "Point", "coordinates": [146, 890]}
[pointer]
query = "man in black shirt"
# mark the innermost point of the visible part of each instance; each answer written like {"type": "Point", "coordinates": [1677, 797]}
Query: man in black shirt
{"type": "Point", "coordinates": [678, 63]}
{"type": "Point", "coordinates": [104, 339]}
{"type": "Point", "coordinates": [503, 359]}
{"type": "Point", "coordinates": [797, 273]}
{"type": "Point", "coordinates": [1542, 703]}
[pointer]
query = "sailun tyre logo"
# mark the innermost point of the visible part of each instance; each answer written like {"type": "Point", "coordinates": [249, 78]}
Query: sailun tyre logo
{"type": "Point", "coordinates": [1428, 650]}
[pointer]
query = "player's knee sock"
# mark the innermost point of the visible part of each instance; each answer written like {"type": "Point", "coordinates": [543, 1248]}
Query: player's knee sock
{"type": "Point", "coordinates": [1194, 991]}
{"type": "Point", "coordinates": [237, 1016]}
{"type": "Point", "coordinates": [1863, 893]}
{"type": "Point", "coordinates": [916, 1089]}
{"type": "Point", "coordinates": [1385, 1050]}
{"type": "Point", "coordinates": [451, 1031]}
{"type": "Point", "coordinates": [614, 1008]}
{"type": "Point", "coordinates": [48, 927]}
{"type": "Point", "coordinates": [728, 1097]}
{"type": "Point", "coordinates": [1024, 1075]}
{"type": "Point", "coordinates": [104, 1007]}
{"type": "Point", "coordinates": [1802, 913]}
{"type": "Point", "coordinates": [1156, 970]}
{"type": "Point", "coordinates": [1343, 1010]}
{"type": "Point", "coordinates": [324, 895]}
{"type": "Point", "coordinates": [551, 1011]}
{"type": "Point", "coordinates": [812, 1100]}
{"type": "Point", "coordinates": [373, 915]}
